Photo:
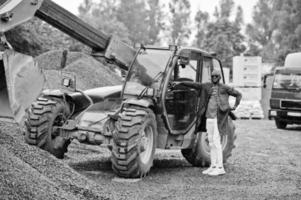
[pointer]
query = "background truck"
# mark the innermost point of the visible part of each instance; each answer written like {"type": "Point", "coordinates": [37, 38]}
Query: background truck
{"type": "Point", "coordinates": [146, 112]}
{"type": "Point", "coordinates": [285, 101]}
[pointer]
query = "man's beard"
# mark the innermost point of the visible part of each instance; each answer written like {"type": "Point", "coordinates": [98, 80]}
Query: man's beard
{"type": "Point", "coordinates": [215, 82]}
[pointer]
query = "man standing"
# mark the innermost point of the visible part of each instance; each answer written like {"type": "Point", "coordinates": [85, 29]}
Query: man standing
{"type": "Point", "coordinates": [216, 110]}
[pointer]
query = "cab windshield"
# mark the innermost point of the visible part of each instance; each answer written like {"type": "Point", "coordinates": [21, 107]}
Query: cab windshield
{"type": "Point", "coordinates": [287, 81]}
{"type": "Point", "coordinates": [147, 70]}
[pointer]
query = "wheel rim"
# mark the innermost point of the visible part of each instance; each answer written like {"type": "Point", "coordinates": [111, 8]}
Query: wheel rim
{"type": "Point", "coordinates": [205, 142]}
{"type": "Point", "coordinates": [146, 144]}
{"type": "Point", "coordinates": [58, 121]}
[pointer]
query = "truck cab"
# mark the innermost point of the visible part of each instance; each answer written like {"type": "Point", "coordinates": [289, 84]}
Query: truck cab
{"type": "Point", "coordinates": [285, 101]}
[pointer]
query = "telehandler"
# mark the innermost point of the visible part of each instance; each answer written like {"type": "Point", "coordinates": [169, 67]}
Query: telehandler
{"type": "Point", "coordinates": [146, 113]}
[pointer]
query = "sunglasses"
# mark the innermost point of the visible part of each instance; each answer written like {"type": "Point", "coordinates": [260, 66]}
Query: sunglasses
{"type": "Point", "coordinates": [214, 76]}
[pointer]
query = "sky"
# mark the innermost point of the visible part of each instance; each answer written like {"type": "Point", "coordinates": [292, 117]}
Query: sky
{"type": "Point", "coordinates": [204, 5]}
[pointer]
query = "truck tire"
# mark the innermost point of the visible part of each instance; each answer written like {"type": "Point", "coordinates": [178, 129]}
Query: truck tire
{"type": "Point", "coordinates": [280, 124]}
{"type": "Point", "coordinates": [134, 142]}
{"type": "Point", "coordinates": [199, 154]}
{"type": "Point", "coordinates": [43, 115]}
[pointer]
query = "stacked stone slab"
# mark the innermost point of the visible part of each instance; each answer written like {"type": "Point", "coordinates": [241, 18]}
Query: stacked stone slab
{"type": "Point", "coordinates": [247, 79]}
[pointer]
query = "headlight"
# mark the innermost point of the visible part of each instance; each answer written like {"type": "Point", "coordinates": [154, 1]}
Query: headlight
{"type": "Point", "coordinates": [276, 85]}
{"type": "Point", "coordinates": [273, 113]}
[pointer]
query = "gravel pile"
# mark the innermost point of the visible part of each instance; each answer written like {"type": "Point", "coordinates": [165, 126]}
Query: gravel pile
{"type": "Point", "coordinates": [89, 72]}
{"type": "Point", "coordinates": [27, 172]}
{"type": "Point", "coordinates": [52, 59]}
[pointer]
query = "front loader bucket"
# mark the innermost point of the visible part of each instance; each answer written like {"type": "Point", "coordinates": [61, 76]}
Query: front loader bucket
{"type": "Point", "coordinates": [21, 81]}
{"type": "Point", "coordinates": [16, 12]}
{"type": "Point", "coordinates": [5, 110]}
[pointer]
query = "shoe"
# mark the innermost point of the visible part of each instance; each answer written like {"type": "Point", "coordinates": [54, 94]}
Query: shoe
{"type": "Point", "coordinates": [217, 172]}
{"type": "Point", "coordinates": [208, 170]}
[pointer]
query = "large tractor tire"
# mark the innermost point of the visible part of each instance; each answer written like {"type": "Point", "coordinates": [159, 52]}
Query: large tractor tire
{"type": "Point", "coordinates": [42, 119]}
{"type": "Point", "coordinates": [280, 124]}
{"type": "Point", "coordinates": [199, 154]}
{"type": "Point", "coordinates": [134, 143]}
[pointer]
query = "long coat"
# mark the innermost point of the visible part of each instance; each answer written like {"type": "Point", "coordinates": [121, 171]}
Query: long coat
{"type": "Point", "coordinates": [224, 91]}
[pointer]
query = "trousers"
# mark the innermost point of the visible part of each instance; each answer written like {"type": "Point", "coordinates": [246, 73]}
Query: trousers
{"type": "Point", "coordinates": [216, 151]}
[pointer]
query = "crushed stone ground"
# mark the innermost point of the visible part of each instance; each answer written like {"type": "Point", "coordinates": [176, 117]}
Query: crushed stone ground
{"type": "Point", "coordinates": [266, 164]}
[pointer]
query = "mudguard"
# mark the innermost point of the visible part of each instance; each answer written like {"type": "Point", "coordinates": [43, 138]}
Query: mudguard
{"type": "Point", "coordinates": [22, 82]}
{"type": "Point", "coordinates": [101, 98]}
{"type": "Point", "coordinates": [139, 102]}
{"type": "Point", "coordinates": [97, 95]}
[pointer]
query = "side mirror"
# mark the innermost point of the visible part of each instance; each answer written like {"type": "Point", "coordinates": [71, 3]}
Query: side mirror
{"type": "Point", "coordinates": [184, 61]}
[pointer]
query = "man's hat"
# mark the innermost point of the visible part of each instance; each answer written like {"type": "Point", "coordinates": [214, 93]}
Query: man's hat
{"type": "Point", "coordinates": [216, 73]}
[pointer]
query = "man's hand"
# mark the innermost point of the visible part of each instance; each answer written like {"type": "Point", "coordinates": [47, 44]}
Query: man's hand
{"type": "Point", "coordinates": [233, 108]}
{"type": "Point", "coordinates": [173, 84]}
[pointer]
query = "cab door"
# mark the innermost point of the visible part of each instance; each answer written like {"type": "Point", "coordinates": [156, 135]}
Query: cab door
{"type": "Point", "coordinates": [208, 65]}
{"type": "Point", "coordinates": [181, 102]}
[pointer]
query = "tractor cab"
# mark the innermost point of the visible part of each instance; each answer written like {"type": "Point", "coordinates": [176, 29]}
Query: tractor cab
{"type": "Point", "coordinates": [155, 69]}
{"type": "Point", "coordinates": [181, 103]}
